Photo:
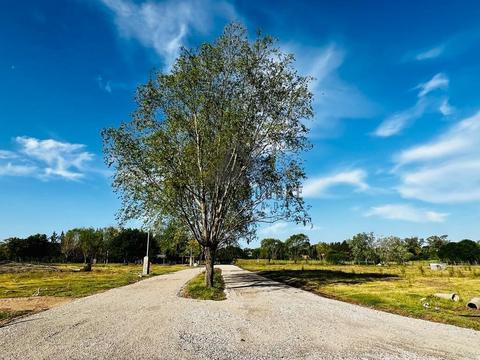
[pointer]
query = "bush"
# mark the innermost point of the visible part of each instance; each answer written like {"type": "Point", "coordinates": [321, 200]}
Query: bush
{"type": "Point", "coordinates": [336, 257]}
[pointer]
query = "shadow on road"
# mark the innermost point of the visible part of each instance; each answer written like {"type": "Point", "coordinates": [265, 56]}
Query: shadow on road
{"type": "Point", "coordinates": [323, 277]}
{"type": "Point", "coordinates": [243, 280]}
{"type": "Point", "coordinates": [18, 321]}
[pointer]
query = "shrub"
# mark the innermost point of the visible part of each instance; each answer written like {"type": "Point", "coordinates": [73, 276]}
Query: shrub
{"type": "Point", "coordinates": [336, 257]}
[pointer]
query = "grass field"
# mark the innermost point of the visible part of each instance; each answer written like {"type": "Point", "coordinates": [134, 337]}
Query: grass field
{"type": "Point", "coordinates": [195, 288]}
{"type": "Point", "coordinates": [19, 281]}
{"type": "Point", "coordinates": [404, 290]}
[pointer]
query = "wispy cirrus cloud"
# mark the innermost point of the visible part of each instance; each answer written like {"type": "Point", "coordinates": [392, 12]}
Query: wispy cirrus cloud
{"type": "Point", "coordinates": [282, 230]}
{"type": "Point", "coordinates": [431, 53]}
{"type": "Point", "coordinates": [165, 26]}
{"type": "Point", "coordinates": [426, 102]}
{"type": "Point", "coordinates": [104, 85]}
{"type": "Point", "coordinates": [454, 45]}
{"type": "Point", "coordinates": [334, 98]}
{"type": "Point", "coordinates": [445, 108]}
{"type": "Point", "coordinates": [316, 187]}
{"type": "Point", "coordinates": [445, 169]}
{"type": "Point", "coordinates": [438, 81]}
{"type": "Point", "coordinates": [45, 159]}
{"type": "Point", "coordinates": [406, 212]}
{"type": "Point", "coordinates": [6, 154]}
{"type": "Point", "coordinates": [11, 169]}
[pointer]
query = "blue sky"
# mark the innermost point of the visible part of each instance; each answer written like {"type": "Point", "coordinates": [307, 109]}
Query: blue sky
{"type": "Point", "coordinates": [396, 133]}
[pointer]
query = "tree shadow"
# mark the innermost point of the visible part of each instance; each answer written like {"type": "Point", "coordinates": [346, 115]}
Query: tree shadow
{"type": "Point", "coordinates": [18, 320]}
{"type": "Point", "coordinates": [470, 315]}
{"type": "Point", "coordinates": [301, 278]}
{"type": "Point", "coordinates": [244, 280]}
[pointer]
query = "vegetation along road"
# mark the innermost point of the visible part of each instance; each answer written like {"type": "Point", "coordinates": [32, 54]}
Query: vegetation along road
{"type": "Point", "coordinates": [401, 289]}
{"type": "Point", "coordinates": [260, 319]}
{"type": "Point", "coordinates": [27, 288]}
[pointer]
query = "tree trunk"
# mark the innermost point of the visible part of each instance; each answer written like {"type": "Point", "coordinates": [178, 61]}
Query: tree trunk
{"type": "Point", "coordinates": [88, 264]}
{"type": "Point", "coordinates": [209, 261]}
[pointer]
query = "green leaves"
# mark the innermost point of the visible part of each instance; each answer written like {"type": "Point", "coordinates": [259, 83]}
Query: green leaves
{"type": "Point", "coordinates": [216, 143]}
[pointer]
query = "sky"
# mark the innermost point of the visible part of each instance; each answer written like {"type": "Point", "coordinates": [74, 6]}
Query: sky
{"type": "Point", "coordinates": [396, 131]}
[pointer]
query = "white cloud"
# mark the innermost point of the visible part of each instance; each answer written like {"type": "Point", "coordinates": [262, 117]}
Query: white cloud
{"type": "Point", "coordinates": [104, 85]}
{"type": "Point", "coordinates": [317, 187]}
{"type": "Point", "coordinates": [445, 108]}
{"type": "Point", "coordinates": [461, 138]}
{"type": "Point", "coordinates": [430, 53]}
{"type": "Point", "coordinates": [406, 212]}
{"type": "Point", "coordinates": [165, 26]}
{"type": "Point", "coordinates": [61, 159]}
{"type": "Point", "coordinates": [397, 122]}
{"type": "Point", "coordinates": [334, 98]}
{"type": "Point", "coordinates": [282, 230]}
{"type": "Point", "coordinates": [438, 81]}
{"type": "Point", "coordinates": [45, 159]}
{"type": "Point", "coordinates": [454, 182]}
{"type": "Point", "coordinates": [454, 45]}
{"type": "Point", "coordinates": [6, 154]}
{"type": "Point", "coordinates": [394, 124]}
{"type": "Point", "coordinates": [10, 169]}
{"type": "Point", "coordinates": [275, 229]}
{"type": "Point", "coordinates": [446, 169]}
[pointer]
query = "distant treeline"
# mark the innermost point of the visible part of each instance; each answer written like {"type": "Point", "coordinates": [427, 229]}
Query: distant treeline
{"type": "Point", "coordinates": [172, 242]}
{"type": "Point", "coordinates": [110, 244]}
{"type": "Point", "coordinates": [367, 248]}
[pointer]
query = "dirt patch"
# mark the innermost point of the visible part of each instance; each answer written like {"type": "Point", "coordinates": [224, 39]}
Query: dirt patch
{"type": "Point", "coordinates": [37, 303]}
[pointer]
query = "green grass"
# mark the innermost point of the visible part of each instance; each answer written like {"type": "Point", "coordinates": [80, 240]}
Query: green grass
{"type": "Point", "coordinates": [196, 289]}
{"type": "Point", "coordinates": [67, 283]}
{"type": "Point", "coordinates": [397, 289]}
{"type": "Point", "coordinates": [6, 316]}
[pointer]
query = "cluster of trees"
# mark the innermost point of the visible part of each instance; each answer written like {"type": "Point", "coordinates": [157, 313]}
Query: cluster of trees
{"type": "Point", "coordinates": [368, 249]}
{"type": "Point", "coordinates": [90, 245]}
{"type": "Point", "coordinates": [110, 244]}
{"type": "Point", "coordinates": [121, 245]}
{"type": "Point", "coordinates": [78, 245]}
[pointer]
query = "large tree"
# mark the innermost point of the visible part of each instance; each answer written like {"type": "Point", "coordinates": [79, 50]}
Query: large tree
{"type": "Point", "coordinates": [216, 142]}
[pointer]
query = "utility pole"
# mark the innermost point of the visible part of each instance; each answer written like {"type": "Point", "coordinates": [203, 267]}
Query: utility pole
{"type": "Point", "coordinates": [146, 262]}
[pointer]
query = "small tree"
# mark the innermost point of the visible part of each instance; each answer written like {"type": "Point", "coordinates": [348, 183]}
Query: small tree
{"type": "Point", "coordinates": [216, 143]}
{"type": "Point", "coordinates": [192, 250]}
{"type": "Point", "coordinates": [362, 247]}
{"type": "Point", "coordinates": [322, 250]}
{"type": "Point", "coordinates": [89, 242]}
{"type": "Point", "coordinates": [393, 249]}
{"type": "Point", "coordinates": [68, 243]}
{"type": "Point", "coordinates": [108, 235]}
{"type": "Point", "coordinates": [434, 244]}
{"type": "Point", "coordinates": [297, 245]}
{"type": "Point", "coordinates": [415, 247]}
{"type": "Point", "coordinates": [271, 249]}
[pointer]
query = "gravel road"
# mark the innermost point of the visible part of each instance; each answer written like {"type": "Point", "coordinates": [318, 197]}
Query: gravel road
{"type": "Point", "coordinates": [261, 319]}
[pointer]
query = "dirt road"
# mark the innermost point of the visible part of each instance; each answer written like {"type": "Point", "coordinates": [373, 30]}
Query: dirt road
{"type": "Point", "coordinates": [260, 319]}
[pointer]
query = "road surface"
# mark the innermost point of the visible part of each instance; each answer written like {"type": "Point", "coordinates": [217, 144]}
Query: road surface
{"type": "Point", "coordinates": [261, 319]}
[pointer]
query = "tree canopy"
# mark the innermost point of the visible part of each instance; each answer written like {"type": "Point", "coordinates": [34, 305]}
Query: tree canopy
{"type": "Point", "coordinates": [216, 143]}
